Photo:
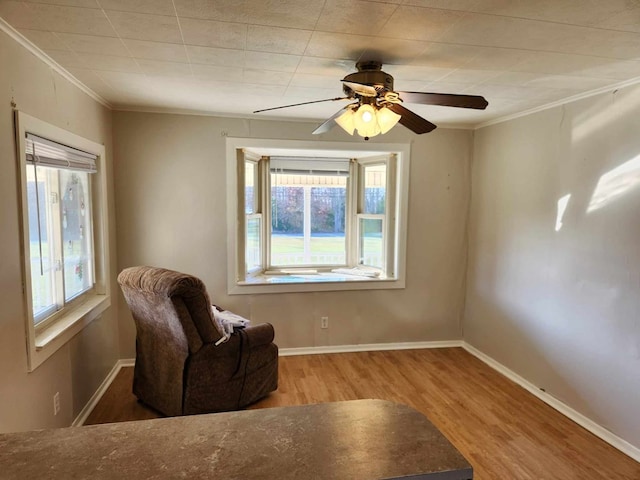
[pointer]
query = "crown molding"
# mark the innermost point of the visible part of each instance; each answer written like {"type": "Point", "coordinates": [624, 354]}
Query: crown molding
{"type": "Point", "coordinates": [201, 113]}
{"type": "Point", "coordinates": [559, 103]}
{"type": "Point", "coordinates": [26, 43]}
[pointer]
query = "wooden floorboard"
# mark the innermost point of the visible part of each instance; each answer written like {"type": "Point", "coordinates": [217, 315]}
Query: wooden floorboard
{"type": "Point", "coordinates": [504, 431]}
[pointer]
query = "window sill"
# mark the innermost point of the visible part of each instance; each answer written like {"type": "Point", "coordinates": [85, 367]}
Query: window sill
{"type": "Point", "coordinates": [45, 342]}
{"type": "Point", "coordinates": [318, 282]}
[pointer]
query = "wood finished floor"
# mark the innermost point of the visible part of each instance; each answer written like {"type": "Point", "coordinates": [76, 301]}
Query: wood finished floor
{"type": "Point", "coordinates": [504, 431]}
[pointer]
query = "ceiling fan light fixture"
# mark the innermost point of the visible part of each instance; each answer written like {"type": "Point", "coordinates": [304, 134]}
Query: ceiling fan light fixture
{"type": "Point", "coordinates": [346, 121]}
{"type": "Point", "coordinates": [387, 119]}
{"type": "Point", "coordinates": [366, 121]}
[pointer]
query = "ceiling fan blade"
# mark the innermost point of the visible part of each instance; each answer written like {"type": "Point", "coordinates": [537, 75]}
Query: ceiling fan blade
{"type": "Point", "coordinates": [361, 89]}
{"type": "Point", "coordinates": [329, 123]}
{"type": "Point", "coordinates": [303, 103]}
{"type": "Point", "coordinates": [445, 99]}
{"type": "Point", "coordinates": [413, 122]}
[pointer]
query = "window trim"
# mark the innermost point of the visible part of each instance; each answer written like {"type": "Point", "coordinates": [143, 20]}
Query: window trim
{"type": "Point", "coordinates": [44, 340]}
{"type": "Point", "coordinates": [400, 184]}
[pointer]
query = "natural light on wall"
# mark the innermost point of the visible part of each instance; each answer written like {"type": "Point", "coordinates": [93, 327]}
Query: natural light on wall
{"type": "Point", "coordinates": [615, 183]}
{"type": "Point", "coordinates": [562, 208]}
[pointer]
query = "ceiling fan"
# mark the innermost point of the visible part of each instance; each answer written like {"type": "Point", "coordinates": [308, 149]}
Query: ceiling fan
{"type": "Point", "coordinates": [377, 107]}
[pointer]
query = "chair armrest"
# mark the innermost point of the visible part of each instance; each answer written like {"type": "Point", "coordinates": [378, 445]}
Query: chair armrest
{"type": "Point", "coordinates": [258, 335]}
{"type": "Point", "coordinates": [231, 356]}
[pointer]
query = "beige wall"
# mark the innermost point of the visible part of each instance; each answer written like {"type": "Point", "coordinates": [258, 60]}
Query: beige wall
{"type": "Point", "coordinates": [171, 194]}
{"type": "Point", "coordinates": [78, 368]}
{"type": "Point", "coordinates": [562, 308]}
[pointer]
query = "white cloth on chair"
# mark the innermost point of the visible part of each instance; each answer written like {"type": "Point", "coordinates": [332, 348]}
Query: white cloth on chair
{"type": "Point", "coordinates": [228, 320]}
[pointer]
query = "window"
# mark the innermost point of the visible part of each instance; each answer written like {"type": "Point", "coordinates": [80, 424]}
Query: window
{"type": "Point", "coordinates": [60, 225]}
{"type": "Point", "coordinates": [317, 216]}
{"type": "Point", "coordinates": [308, 200]}
{"type": "Point", "coordinates": [63, 214]}
{"type": "Point", "coordinates": [252, 203]}
{"type": "Point", "coordinates": [372, 208]}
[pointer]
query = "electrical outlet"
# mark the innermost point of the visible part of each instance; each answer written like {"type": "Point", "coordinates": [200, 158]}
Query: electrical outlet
{"type": "Point", "coordinates": [56, 403]}
{"type": "Point", "coordinates": [324, 322]}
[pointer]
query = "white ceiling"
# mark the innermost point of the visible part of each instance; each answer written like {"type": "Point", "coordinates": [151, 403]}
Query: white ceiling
{"type": "Point", "coordinates": [231, 57]}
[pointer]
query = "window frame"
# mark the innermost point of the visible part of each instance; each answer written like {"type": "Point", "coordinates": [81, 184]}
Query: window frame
{"type": "Point", "coordinates": [388, 217]}
{"type": "Point", "coordinates": [53, 332]}
{"type": "Point", "coordinates": [237, 283]}
{"type": "Point", "coordinates": [257, 211]}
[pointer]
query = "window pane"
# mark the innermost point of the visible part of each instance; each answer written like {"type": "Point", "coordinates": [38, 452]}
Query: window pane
{"type": "Point", "coordinates": [253, 256]}
{"type": "Point", "coordinates": [371, 244]}
{"type": "Point", "coordinates": [76, 233]}
{"type": "Point", "coordinates": [287, 223]}
{"type": "Point", "coordinates": [308, 220]}
{"type": "Point", "coordinates": [40, 241]}
{"type": "Point", "coordinates": [328, 243]}
{"type": "Point", "coordinates": [375, 182]}
{"type": "Point", "coordinates": [249, 188]}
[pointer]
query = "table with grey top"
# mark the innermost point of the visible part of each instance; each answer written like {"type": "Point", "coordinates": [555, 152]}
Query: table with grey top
{"type": "Point", "coordinates": [359, 439]}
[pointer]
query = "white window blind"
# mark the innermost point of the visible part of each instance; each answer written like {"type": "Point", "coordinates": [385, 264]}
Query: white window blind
{"type": "Point", "coordinates": [45, 153]}
{"type": "Point", "coordinates": [310, 166]}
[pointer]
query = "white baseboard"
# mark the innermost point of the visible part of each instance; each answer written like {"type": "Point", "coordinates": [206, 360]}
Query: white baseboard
{"type": "Point", "coordinates": [95, 398]}
{"type": "Point", "coordinates": [585, 422]}
{"type": "Point", "coordinates": [368, 347]}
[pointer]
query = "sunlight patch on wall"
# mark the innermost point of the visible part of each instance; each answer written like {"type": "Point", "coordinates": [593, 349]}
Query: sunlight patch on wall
{"type": "Point", "coordinates": [615, 183]}
{"type": "Point", "coordinates": [562, 207]}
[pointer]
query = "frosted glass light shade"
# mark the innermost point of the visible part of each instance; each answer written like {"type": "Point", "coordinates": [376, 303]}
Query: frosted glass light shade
{"type": "Point", "coordinates": [346, 121]}
{"type": "Point", "coordinates": [369, 120]}
{"type": "Point", "coordinates": [365, 121]}
{"type": "Point", "coordinates": [387, 119]}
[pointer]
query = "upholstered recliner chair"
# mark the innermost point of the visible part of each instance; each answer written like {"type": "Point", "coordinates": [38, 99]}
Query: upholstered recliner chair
{"type": "Point", "coordinates": [179, 370]}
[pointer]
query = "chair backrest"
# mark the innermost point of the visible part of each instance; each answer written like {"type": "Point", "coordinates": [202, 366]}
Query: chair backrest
{"type": "Point", "coordinates": [173, 318]}
{"type": "Point", "coordinates": [170, 305]}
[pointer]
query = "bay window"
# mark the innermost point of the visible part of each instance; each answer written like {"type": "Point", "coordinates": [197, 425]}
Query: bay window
{"type": "Point", "coordinates": [317, 218]}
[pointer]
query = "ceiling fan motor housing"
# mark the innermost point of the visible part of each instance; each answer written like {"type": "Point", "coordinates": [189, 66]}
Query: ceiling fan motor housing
{"type": "Point", "coordinates": [369, 73]}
